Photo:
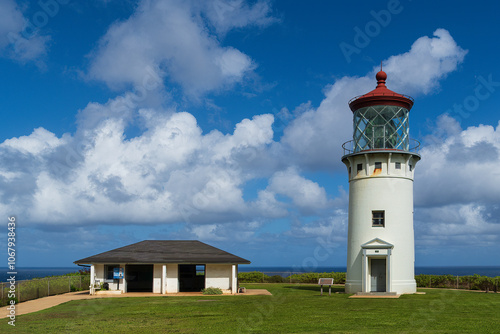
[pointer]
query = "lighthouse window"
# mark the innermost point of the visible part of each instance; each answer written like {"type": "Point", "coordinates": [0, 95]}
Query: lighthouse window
{"type": "Point", "coordinates": [360, 167]}
{"type": "Point", "coordinates": [398, 165]}
{"type": "Point", "coordinates": [378, 219]}
{"type": "Point", "coordinates": [378, 165]}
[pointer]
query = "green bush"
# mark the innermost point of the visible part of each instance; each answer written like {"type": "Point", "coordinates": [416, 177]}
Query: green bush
{"type": "Point", "coordinates": [212, 291]}
{"type": "Point", "coordinates": [338, 278]}
{"type": "Point", "coordinates": [252, 277]}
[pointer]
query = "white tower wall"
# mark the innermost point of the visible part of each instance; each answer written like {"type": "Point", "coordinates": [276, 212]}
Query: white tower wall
{"type": "Point", "coordinates": [388, 189]}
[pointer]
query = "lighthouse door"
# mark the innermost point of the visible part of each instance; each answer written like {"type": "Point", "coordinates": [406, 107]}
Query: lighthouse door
{"type": "Point", "coordinates": [378, 276]}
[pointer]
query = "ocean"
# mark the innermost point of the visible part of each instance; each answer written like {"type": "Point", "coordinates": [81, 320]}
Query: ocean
{"type": "Point", "coordinates": [491, 271]}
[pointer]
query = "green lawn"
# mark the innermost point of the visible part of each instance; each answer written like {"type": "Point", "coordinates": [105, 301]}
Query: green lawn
{"type": "Point", "coordinates": [293, 308]}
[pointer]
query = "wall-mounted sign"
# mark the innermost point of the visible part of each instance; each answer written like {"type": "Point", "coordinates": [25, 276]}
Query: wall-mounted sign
{"type": "Point", "coordinates": [118, 273]}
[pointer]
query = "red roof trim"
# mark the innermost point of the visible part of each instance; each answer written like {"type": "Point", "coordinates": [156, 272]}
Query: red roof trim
{"type": "Point", "coordinates": [381, 96]}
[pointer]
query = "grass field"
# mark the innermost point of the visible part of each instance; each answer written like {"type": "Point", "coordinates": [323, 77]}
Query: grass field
{"type": "Point", "coordinates": [293, 308]}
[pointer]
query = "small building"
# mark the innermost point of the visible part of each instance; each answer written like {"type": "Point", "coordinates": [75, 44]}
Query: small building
{"type": "Point", "coordinates": [165, 266]}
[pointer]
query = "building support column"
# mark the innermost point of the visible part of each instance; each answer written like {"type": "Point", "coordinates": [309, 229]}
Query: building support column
{"type": "Point", "coordinates": [234, 279]}
{"type": "Point", "coordinates": [364, 273]}
{"type": "Point", "coordinates": [164, 279]}
{"type": "Point", "coordinates": [123, 286]}
{"type": "Point", "coordinates": [92, 279]}
{"type": "Point", "coordinates": [388, 272]}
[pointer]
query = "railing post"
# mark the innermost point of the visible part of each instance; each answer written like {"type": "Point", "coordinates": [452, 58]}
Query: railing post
{"type": "Point", "coordinates": [48, 287]}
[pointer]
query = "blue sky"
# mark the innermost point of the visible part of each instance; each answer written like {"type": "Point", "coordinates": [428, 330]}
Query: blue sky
{"type": "Point", "coordinates": [223, 121]}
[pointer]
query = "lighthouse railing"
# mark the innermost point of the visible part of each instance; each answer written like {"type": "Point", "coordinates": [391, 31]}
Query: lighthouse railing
{"type": "Point", "coordinates": [348, 147]}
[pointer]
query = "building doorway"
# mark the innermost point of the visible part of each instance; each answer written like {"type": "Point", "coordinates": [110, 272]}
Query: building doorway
{"type": "Point", "coordinates": [191, 277]}
{"type": "Point", "coordinates": [139, 277]}
{"type": "Point", "coordinates": [378, 275]}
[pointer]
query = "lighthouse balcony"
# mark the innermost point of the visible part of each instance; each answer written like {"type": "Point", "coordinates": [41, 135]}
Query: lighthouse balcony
{"type": "Point", "coordinates": [352, 147]}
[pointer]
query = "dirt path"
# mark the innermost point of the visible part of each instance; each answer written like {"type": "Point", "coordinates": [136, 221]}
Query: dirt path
{"type": "Point", "coordinates": [47, 302]}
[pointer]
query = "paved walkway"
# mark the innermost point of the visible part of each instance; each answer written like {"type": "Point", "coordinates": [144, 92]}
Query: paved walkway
{"type": "Point", "coordinates": [47, 302]}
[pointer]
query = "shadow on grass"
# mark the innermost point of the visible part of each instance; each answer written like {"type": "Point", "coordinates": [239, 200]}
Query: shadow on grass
{"type": "Point", "coordinates": [316, 288]}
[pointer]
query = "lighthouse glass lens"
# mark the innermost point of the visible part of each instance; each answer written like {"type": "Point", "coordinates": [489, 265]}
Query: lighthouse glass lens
{"type": "Point", "coordinates": [381, 127]}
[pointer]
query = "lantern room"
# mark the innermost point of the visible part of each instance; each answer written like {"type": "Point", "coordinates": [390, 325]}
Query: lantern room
{"type": "Point", "coordinates": [381, 119]}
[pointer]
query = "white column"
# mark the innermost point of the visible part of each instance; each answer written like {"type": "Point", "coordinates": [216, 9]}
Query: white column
{"type": "Point", "coordinates": [388, 271]}
{"type": "Point", "coordinates": [364, 273]}
{"type": "Point", "coordinates": [123, 285]}
{"type": "Point", "coordinates": [164, 279]}
{"type": "Point", "coordinates": [92, 279]}
{"type": "Point", "coordinates": [234, 282]}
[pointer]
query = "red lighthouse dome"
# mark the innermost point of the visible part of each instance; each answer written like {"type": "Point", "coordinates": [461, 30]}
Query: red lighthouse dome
{"type": "Point", "coordinates": [381, 95]}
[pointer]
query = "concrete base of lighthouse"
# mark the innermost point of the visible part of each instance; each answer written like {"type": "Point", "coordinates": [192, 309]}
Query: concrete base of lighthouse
{"type": "Point", "coordinates": [375, 263]}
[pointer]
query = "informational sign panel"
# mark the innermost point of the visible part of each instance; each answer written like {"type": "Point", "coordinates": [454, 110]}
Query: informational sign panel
{"type": "Point", "coordinates": [325, 281]}
{"type": "Point", "coordinates": [118, 273]}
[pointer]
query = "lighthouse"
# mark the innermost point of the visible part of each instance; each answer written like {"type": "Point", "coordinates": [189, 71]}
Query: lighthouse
{"type": "Point", "coordinates": [381, 161]}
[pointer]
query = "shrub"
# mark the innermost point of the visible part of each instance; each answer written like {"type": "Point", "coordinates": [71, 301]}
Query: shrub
{"type": "Point", "coordinates": [252, 277]}
{"type": "Point", "coordinates": [212, 291]}
{"type": "Point", "coordinates": [75, 288]}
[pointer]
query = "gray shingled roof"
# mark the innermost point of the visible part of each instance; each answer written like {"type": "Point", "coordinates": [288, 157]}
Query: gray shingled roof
{"type": "Point", "coordinates": [165, 251]}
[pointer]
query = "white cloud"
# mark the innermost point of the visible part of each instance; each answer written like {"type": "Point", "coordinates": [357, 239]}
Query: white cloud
{"type": "Point", "coordinates": [225, 15]}
{"type": "Point", "coordinates": [172, 39]}
{"type": "Point", "coordinates": [169, 173]}
{"type": "Point", "coordinates": [305, 194]}
{"type": "Point", "coordinates": [39, 141]}
{"type": "Point", "coordinates": [429, 60]}
{"type": "Point", "coordinates": [461, 167]}
{"type": "Point", "coordinates": [20, 39]}
{"type": "Point", "coordinates": [314, 138]}
{"type": "Point", "coordinates": [173, 172]}
{"type": "Point", "coordinates": [456, 186]}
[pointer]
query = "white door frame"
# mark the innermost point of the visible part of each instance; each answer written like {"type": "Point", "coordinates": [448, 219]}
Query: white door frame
{"type": "Point", "coordinates": [376, 249]}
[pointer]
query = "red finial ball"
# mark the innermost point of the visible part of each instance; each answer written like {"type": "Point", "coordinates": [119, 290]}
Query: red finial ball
{"type": "Point", "coordinates": [381, 76]}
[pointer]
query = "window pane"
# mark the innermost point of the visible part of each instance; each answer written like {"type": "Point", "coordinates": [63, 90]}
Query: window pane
{"type": "Point", "coordinates": [378, 218]}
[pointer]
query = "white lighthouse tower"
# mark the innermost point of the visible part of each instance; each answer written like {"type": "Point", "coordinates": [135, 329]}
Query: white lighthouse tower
{"type": "Point", "coordinates": [381, 161]}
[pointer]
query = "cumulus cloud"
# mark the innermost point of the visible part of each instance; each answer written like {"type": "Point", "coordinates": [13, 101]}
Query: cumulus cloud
{"type": "Point", "coordinates": [305, 194]}
{"type": "Point", "coordinates": [429, 60]}
{"type": "Point", "coordinates": [459, 167]}
{"type": "Point", "coordinates": [173, 172]}
{"type": "Point", "coordinates": [314, 138]}
{"type": "Point", "coordinates": [19, 38]}
{"type": "Point", "coordinates": [227, 15]}
{"type": "Point", "coordinates": [173, 39]}
{"type": "Point", "coordinates": [456, 187]}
